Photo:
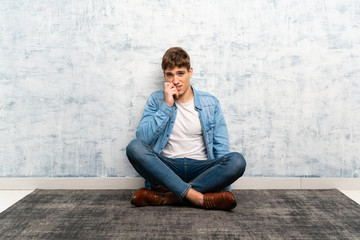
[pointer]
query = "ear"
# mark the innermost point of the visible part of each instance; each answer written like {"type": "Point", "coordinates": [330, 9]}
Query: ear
{"type": "Point", "coordinates": [191, 72]}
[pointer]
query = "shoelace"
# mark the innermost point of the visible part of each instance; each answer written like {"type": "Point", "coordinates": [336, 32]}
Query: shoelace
{"type": "Point", "coordinates": [209, 203]}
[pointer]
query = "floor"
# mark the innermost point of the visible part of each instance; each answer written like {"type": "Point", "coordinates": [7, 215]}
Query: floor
{"type": "Point", "coordinates": [9, 197]}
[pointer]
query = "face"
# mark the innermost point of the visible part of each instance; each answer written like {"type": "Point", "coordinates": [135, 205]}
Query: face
{"type": "Point", "coordinates": [180, 77]}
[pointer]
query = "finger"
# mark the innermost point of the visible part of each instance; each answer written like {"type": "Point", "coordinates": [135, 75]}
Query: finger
{"type": "Point", "coordinates": [167, 85]}
{"type": "Point", "coordinates": [172, 91]}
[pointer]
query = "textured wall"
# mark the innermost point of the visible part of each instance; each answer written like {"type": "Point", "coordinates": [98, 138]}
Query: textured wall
{"type": "Point", "coordinates": [75, 75]}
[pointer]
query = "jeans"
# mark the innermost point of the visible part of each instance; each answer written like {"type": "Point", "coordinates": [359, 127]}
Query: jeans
{"type": "Point", "coordinates": [180, 174]}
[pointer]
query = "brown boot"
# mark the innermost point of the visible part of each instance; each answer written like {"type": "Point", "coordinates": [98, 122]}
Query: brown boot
{"type": "Point", "coordinates": [145, 197]}
{"type": "Point", "coordinates": [219, 201]}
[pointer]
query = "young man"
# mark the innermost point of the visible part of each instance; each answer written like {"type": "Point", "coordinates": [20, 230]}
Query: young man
{"type": "Point", "coordinates": [182, 145]}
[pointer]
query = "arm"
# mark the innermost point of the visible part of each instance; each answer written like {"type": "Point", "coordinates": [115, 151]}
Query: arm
{"type": "Point", "coordinates": [154, 120]}
{"type": "Point", "coordinates": [156, 115]}
{"type": "Point", "coordinates": [221, 136]}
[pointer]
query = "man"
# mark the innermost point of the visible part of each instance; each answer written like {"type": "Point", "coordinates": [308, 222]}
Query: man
{"type": "Point", "coordinates": [182, 145]}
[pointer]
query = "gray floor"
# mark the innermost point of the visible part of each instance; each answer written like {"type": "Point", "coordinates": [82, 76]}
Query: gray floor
{"type": "Point", "coordinates": [107, 214]}
{"type": "Point", "coordinates": [9, 197]}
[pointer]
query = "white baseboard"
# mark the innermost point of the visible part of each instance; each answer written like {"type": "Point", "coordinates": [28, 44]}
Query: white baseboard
{"type": "Point", "coordinates": [298, 183]}
{"type": "Point", "coordinates": [135, 183]}
{"type": "Point", "coordinates": [70, 183]}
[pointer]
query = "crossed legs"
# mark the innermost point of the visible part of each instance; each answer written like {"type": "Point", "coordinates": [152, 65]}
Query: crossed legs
{"type": "Point", "coordinates": [186, 178]}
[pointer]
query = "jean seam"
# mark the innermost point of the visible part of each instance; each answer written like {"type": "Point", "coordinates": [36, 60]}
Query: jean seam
{"type": "Point", "coordinates": [188, 186]}
{"type": "Point", "coordinates": [185, 170]}
{"type": "Point", "coordinates": [173, 162]}
{"type": "Point", "coordinates": [164, 159]}
{"type": "Point", "coordinates": [182, 195]}
{"type": "Point", "coordinates": [201, 162]}
{"type": "Point", "coordinates": [209, 170]}
{"type": "Point", "coordinates": [185, 191]}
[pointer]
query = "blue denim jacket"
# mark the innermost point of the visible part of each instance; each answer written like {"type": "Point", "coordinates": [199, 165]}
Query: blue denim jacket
{"type": "Point", "coordinates": [158, 121]}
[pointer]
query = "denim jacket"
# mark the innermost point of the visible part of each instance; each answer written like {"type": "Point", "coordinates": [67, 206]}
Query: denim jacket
{"type": "Point", "coordinates": [158, 121]}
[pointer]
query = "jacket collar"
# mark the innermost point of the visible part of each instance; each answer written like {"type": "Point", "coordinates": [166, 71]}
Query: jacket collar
{"type": "Point", "coordinates": [196, 99]}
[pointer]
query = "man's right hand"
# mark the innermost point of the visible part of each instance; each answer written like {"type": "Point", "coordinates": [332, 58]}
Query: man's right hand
{"type": "Point", "coordinates": [170, 93]}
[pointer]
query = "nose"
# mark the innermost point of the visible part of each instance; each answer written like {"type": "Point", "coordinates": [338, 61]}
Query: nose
{"type": "Point", "coordinates": [176, 80]}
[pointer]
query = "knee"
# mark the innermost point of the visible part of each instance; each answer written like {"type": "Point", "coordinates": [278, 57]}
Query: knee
{"type": "Point", "coordinates": [238, 163]}
{"type": "Point", "coordinates": [133, 148]}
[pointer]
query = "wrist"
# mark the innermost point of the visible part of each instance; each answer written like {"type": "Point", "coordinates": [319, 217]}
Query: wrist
{"type": "Point", "coordinates": [167, 109]}
{"type": "Point", "coordinates": [169, 102]}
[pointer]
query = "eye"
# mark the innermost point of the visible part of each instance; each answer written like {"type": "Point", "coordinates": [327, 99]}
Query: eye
{"type": "Point", "coordinates": [180, 74]}
{"type": "Point", "coordinates": [168, 74]}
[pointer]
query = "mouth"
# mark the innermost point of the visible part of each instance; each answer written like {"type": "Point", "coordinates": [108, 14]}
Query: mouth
{"type": "Point", "coordinates": [178, 88]}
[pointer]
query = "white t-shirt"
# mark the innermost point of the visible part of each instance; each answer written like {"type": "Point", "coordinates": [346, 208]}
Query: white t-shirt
{"type": "Point", "coordinates": [186, 139]}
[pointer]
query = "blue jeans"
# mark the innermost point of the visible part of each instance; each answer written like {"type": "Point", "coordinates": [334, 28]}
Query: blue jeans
{"type": "Point", "coordinates": [181, 174]}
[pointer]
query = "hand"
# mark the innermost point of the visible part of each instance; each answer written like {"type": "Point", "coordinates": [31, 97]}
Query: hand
{"type": "Point", "coordinates": [170, 93]}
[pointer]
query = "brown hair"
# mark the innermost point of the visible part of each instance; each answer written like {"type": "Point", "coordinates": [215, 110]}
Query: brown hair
{"type": "Point", "coordinates": [175, 57]}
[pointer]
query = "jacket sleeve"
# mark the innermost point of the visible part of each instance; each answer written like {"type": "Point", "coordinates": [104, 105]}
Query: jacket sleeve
{"type": "Point", "coordinates": [221, 136]}
{"type": "Point", "coordinates": [154, 120]}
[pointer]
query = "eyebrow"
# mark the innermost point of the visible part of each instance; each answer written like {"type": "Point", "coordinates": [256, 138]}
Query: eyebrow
{"type": "Point", "coordinates": [176, 72]}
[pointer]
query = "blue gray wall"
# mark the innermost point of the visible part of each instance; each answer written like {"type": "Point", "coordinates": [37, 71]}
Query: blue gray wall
{"type": "Point", "coordinates": [75, 75]}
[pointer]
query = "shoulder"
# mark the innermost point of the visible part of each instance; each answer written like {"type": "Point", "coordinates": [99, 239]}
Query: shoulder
{"type": "Point", "coordinates": [157, 94]}
{"type": "Point", "coordinates": [156, 98]}
{"type": "Point", "coordinates": [207, 99]}
{"type": "Point", "coordinates": [206, 95]}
